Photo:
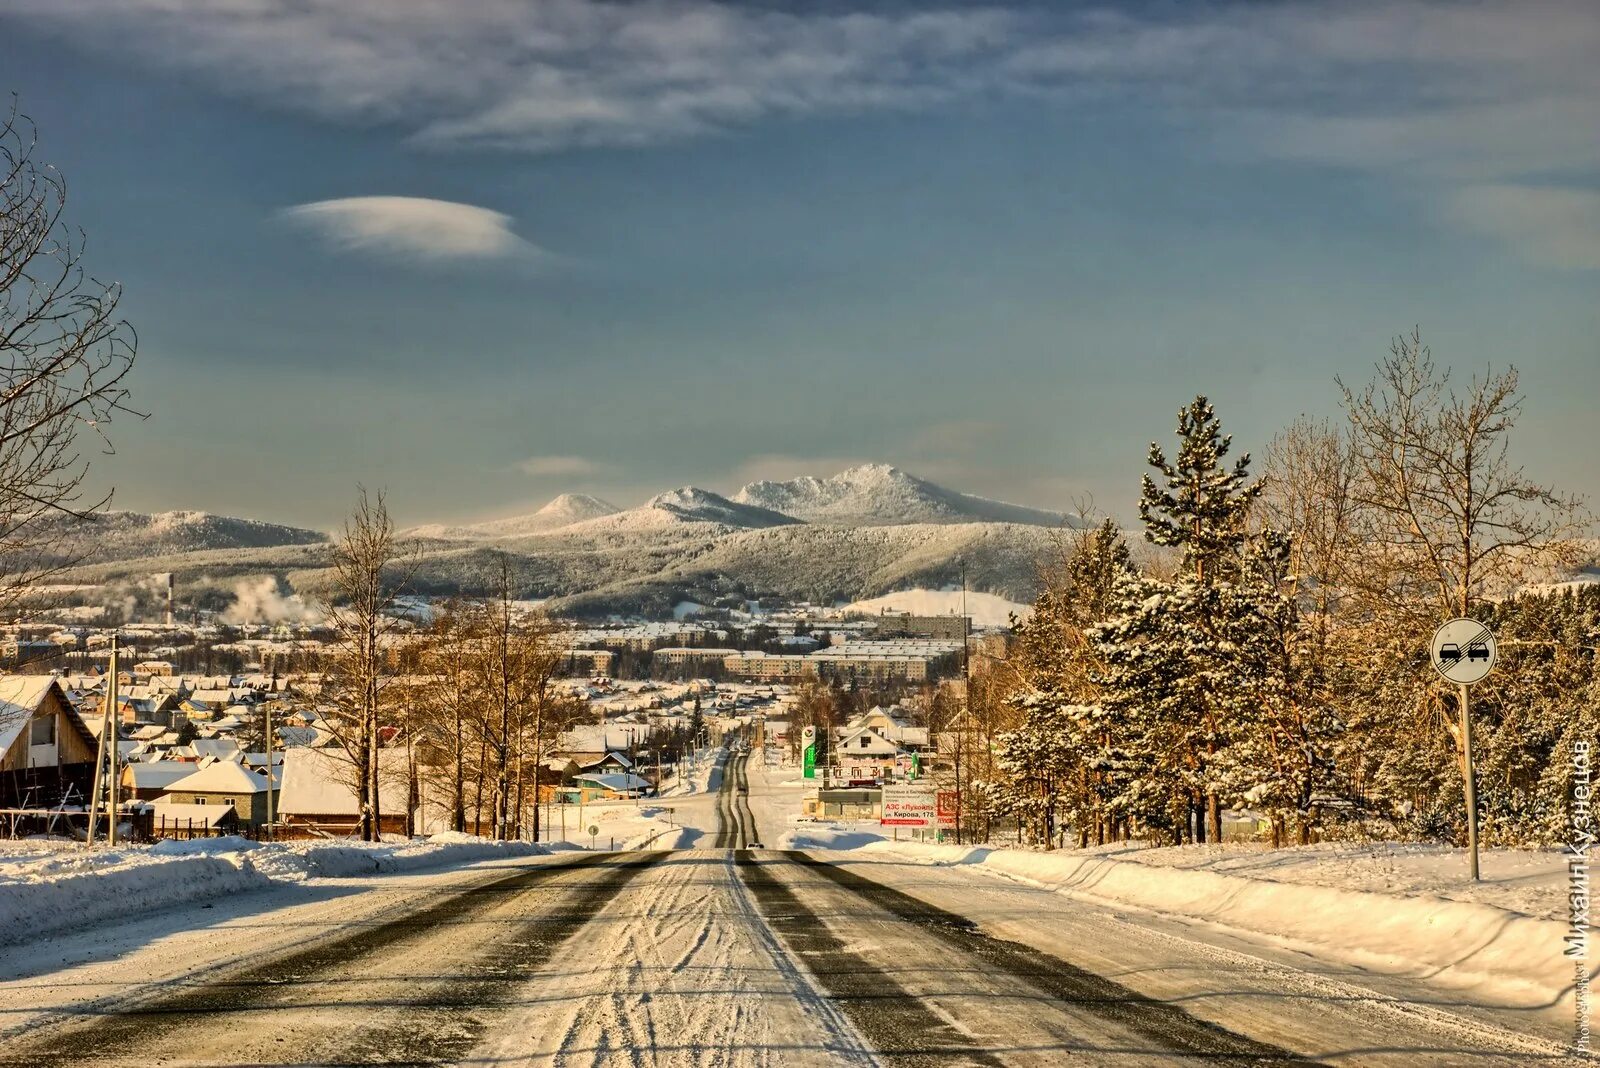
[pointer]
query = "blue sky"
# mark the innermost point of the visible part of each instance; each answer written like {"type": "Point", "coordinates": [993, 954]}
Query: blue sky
{"type": "Point", "coordinates": [482, 252]}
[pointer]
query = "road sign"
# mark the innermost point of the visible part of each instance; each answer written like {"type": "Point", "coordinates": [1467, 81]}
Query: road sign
{"type": "Point", "coordinates": [1463, 651]}
{"type": "Point", "coordinates": [908, 806]}
{"type": "Point", "coordinates": [808, 739]}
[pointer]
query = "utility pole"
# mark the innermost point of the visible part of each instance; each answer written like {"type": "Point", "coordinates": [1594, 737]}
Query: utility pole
{"type": "Point", "coordinates": [267, 706]}
{"type": "Point", "coordinates": [108, 737]}
{"type": "Point", "coordinates": [966, 692]}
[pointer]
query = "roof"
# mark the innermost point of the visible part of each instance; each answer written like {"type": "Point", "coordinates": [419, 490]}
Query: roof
{"type": "Point", "coordinates": [620, 782]}
{"type": "Point", "coordinates": [181, 813]}
{"type": "Point", "coordinates": [319, 782]}
{"type": "Point", "coordinates": [222, 777]}
{"type": "Point", "coordinates": [158, 775]}
{"type": "Point", "coordinates": [20, 698]}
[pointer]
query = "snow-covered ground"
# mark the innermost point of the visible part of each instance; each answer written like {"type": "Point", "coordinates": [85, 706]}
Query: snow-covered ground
{"type": "Point", "coordinates": [703, 957]}
{"type": "Point", "coordinates": [1397, 909]}
{"type": "Point", "coordinates": [49, 885]}
{"type": "Point", "coordinates": [986, 609]}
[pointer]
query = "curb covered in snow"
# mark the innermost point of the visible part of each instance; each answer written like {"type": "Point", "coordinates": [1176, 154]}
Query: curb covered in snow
{"type": "Point", "coordinates": [54, 891]}
{"type": "Point", "coordinates": [1504, 957]}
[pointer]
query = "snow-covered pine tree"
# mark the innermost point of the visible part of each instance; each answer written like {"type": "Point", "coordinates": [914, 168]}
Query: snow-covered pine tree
{"type": "Point", "coordinates": [1065, 784]}
{"type": "Point", "coordinates": [1284, 725]}
{"type": "Point", "coordinates": [1201, 506]}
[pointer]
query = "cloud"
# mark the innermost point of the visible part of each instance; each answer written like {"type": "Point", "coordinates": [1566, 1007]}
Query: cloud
{"type": "Point", "coordinates": [411, 227]}
{"type": "Point", "coordinates": [1435, 96]}
{"type": "Point", "coordinates": [559, 466]}
{"type": "Point", "coordinates": [1553, 226]}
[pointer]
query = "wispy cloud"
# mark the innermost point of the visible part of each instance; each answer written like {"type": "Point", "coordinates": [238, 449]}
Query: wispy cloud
{"type": "Point", "coordinates": [1553, 226]}
{"type": "Point", "coordinates": [559, 466]}
{"type": "Point", "coordinates": [1436, 96]}
{"type": "Point", "coordinates": [411, 227]}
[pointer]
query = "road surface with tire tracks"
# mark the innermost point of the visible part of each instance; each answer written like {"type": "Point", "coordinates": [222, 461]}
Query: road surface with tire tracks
{"type": "Point", "coordinates": [729, 956]}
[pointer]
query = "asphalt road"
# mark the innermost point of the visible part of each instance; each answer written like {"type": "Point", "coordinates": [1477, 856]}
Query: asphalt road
{"type": "Point", "coordinates": [725, 957]}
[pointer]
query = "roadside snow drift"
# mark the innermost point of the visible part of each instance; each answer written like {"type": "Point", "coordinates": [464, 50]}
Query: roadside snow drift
{"type": "Point", "coordinates": [43, 892]}
{"type": "Point", "coordinates": [1502, 957]}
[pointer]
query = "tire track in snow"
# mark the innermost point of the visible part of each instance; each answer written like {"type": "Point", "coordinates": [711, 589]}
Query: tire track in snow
{"type": "Point", "coordinates": [1181, 1035]}
{"type": "Point", "coordinates": [341, 999]}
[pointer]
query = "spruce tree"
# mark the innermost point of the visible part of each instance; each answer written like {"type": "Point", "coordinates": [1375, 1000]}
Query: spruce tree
{"type": "Point", "coordinates": [1201, 507]}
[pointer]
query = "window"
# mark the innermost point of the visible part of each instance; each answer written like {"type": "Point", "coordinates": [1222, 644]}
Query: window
{"type": "Point", "coordinates": [44, 730]}
{"type": "Point", "coordinates": [227, 800]}
{"type": "Point", "coordinates": [199, 800]}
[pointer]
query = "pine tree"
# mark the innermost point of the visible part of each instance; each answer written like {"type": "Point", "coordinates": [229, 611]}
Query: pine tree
{"type": "Point", "coordinates": [1204, 504]}
{"type": "Point", "coordinates": [1202, 509]}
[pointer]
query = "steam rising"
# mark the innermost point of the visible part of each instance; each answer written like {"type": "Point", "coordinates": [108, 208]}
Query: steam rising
{"type": "Point", "coordinates": [260, 600]}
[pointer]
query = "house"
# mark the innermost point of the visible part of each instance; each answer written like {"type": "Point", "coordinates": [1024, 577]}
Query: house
{"type": "Point", "coordinates": [40, 732]}
{"type": "Point", "coordinates": [319, 791]}
{"type": "Point", "coordinates": [147, 781]}
{"type": "Point", "coordinates": [223, 782]}
{"type": "Point", "coordinates": [173, 819]}
{"type": "Point", "coordinates": [610, 787]}
{"type": "Point", "coordinates": [863, 742]}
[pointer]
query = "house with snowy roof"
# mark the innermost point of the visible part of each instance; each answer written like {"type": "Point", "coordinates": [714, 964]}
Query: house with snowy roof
{"type": "Point", "coordinates": [320, 794]}
{"type": "Point", "coordinates": [225, 783]}
{"type": "Point", "coordinates": [146, 781]}
{"type": "Point", "coordinates": [40, 731]}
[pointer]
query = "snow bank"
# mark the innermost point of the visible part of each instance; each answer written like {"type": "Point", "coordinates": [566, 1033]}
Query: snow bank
{"type": "Point", "coordinates": [827, 836]}
{"type": "Point", "coordinates": [1498, 955]}
{"type": "Point", "coordinates": [49, 891]}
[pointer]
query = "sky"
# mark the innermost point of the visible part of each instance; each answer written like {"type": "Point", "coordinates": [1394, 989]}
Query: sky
{"type": "Point", "coordinates": [481, 252]}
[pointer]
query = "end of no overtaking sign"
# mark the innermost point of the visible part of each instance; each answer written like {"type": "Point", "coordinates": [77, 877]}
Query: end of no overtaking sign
{"type": "Point", "coordinates": [1463, 651]}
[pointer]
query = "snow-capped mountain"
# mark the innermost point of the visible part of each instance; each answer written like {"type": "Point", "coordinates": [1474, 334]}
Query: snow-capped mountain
{"type": "Point", "coordinates": [135, 535]}
{"type": "Point", "coordinates": [690, 504]}
{"type": "Point", "coordinates": [880, 495]}
{"type": "Point", "coordinates": [563, 511]}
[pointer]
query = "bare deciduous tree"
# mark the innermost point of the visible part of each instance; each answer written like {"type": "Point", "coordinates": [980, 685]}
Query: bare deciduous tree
{"type": "Point", "coordinates": [368, 579]}
{"type": "Point", "coordinates": [64, 354]}
{"type": "Point", "coordinates": [1451, 520]}
{"type": "Point", "coordinates": [1456, 520]}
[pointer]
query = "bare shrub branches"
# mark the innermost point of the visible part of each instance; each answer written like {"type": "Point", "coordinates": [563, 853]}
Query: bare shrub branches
{"type": "Point", "coordinates": [64, 356]}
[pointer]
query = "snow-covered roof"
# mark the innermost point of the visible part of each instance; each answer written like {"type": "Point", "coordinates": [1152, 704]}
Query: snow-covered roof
{"type": "Point", "coordinates": [20, 698]}
{"type": "Point", "coordinates": [159, 775]}
{"type": "Point", "coordinates": [319, 782]}
{"type": "Point", "coordinates": [619, 782]}
{"type": "Point", "coordinates": [183, 814]}
{"type": "Point", "coordinates": [220, 777]}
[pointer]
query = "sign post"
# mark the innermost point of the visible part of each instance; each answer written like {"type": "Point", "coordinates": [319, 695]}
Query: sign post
{"type": "Point", "coordinates": [1463, 652]}
{"type": "Point", "coordinates": [908, 806]}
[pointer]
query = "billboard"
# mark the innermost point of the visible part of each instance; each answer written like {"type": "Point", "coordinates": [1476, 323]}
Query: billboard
{"type": "Point", "coordinates": [908, 806]}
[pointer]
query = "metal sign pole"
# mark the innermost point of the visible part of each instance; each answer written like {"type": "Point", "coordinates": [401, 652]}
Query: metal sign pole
{"type": "Point", "coordinates": [1469, 777]}
{"type": "Point", "coordinates": [1464, 651]}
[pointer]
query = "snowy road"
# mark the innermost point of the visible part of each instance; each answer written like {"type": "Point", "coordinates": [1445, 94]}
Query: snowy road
{"type": "Point", "coordinates": [728, 956]}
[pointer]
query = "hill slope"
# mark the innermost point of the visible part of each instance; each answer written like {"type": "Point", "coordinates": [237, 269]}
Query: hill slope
{"type": "Point", "coordinates": [563, 511]}
{"type": "Point", "coordinates": [880, 495]}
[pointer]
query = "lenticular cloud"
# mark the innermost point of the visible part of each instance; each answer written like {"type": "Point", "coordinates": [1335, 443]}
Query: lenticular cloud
{"type": "Point", "coordinates": [412, 227]}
